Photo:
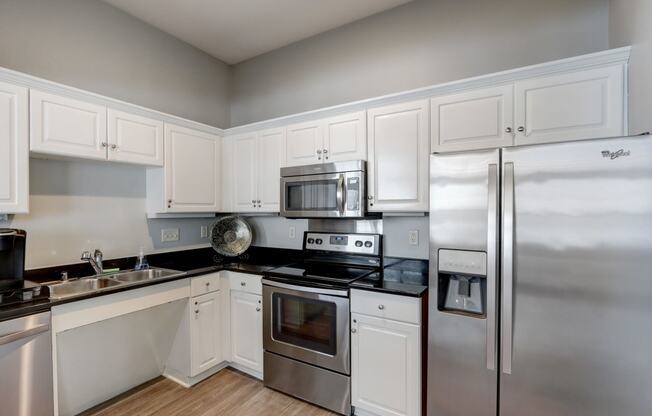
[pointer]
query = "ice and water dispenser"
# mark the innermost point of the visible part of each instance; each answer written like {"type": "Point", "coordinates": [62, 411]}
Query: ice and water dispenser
{"type": "Point", "coordinates": [462, 282]}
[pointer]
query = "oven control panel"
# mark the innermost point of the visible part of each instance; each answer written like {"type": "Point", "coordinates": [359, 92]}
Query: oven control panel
{"type": "Point", "coordinates": [343, 243]}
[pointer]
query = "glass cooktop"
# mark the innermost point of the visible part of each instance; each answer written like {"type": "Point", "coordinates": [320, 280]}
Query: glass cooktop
{"type": "Point", "coordinates": [330, 274]}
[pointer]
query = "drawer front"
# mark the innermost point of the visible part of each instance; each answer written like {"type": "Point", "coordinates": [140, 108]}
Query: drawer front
{"type": "Point", "coordinates": [207, 283]}
{"type": "Point", "coordinates": [244, 282]}
{"type": "Point", "coordinates": [382, 305]}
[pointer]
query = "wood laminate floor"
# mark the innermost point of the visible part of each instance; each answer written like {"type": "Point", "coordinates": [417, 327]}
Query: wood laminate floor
{"type": "Point", "coordinates": [227, 393]}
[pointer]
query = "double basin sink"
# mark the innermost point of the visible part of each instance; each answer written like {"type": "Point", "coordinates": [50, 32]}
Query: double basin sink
{"type": "Point", "coordinates": [107, 282]}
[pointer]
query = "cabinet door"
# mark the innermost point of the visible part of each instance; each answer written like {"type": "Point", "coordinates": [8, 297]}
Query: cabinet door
{"type": "Point", "coordinates": [385, 366]}
{"type": "Point", "coordinates": [578, 105]}
{"type": "Point", "coordinates": [134, 139]}
{"type": "Point", "coordinates": [192, 171]}
{"type": "Point", "coordinates": [271, 155]}
{"type": "Point", "coordinates": [247, 330]}
{"type": "Point", "coordinates": [66, 127]}
{"type": "Point", "coordinates": [398, 157]}
{"type": "Point", "coordinates": [345, 137]}
{"type": "Point", "coordinates": [472, 120]}
{"type": "Point", "coordinates": [206, 327]}
{"type": "Point", "coordinates": [14, 150]}
{"type": "Point", "coordinates": [244, 178]}
{"type": "Point", "coordinates": [304, 144]}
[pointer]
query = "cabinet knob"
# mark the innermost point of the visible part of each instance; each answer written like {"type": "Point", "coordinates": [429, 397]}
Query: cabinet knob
{"type": "Point", "coordinates": [508, 130]}
{"type": "Point", "coordinates": [258, 309]}
{"type": "Point", "coordinates": [114, 146]}
{"type": "Point", "coordinates": [197, 311]}
{"type": "Point", "coordinates": [196, 303]}
{"type": "Point", "coordinates": [243, 283]}
{"type": "Point", "coordinates": [208, 284]}
{"type": "Point", "coordinates": [521, 129]}
{"type": "Point", "coordinates": [104, 144]}
{"type": "Point", "coordinates": [319, 151]}
{"type": "Point", "coordinates": [353, 330]}
{"type": "Point", "coordinates": [253, 201]}
{"type": "Point", "coordinates": [381, 307]}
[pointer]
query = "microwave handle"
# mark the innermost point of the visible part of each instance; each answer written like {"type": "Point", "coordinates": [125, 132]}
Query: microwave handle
{"type": "Point", "coordinates": [341, 195]}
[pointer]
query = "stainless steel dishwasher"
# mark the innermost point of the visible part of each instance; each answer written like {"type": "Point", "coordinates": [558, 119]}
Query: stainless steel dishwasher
{"type": "Point", "coordinates": [26, 366]}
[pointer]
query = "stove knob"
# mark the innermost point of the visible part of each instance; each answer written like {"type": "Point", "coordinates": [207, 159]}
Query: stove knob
{"type": "Point", "coordinates": [358, 243]}
{"type": "Point", "coordinates": [368, 244]}
{"type": "Point", "coordinates": [311, 240]}
{"type": "Point", "coordinates": [318, 241]}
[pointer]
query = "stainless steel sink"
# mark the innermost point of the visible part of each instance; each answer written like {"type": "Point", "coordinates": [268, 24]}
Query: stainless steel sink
{"type": "Point", "coordinates": [81, 287]}
{"type": "Point", "coordinates": [134, 276]}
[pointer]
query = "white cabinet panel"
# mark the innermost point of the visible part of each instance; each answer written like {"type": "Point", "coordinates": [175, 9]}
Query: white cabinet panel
{"type": "Point", "coordinates": [473, 120]}
{"type": "Point", "coordinates": [205, 332]}
{"type": "Point", "coordinates": [385, 366]}
{"type": "Point", "coordinates": [271, 156]}
{"type": "Point", "coordinates": [244, 173]}
{"type": "Point", "coordinates": [345, 137]}
{"type": "Point", "coordinates": [67, 127]}
{"type": "Point", "coordinates": [247, 330]}
{"type": "Point", "coordinates": [14, 150]}
{"type": "Point", "coordinates": [398, 157]}
{"type": "Point", "coordinates": [304, 144]}
{"type": "Point", "coordinates": [572, 106]}
{"type": "Point", "coordinates": [192, 170]}
{"type": "Point", "coordinates": [134, 139]}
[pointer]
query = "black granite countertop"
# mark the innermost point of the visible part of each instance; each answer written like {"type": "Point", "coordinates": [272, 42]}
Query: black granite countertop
{"type": "Point", "coordinates": [400, 276]}
{"type": "Point", "coordinates": [406, 277]}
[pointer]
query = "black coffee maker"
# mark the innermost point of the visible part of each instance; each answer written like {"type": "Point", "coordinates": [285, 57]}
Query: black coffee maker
{"type": "Point", "coordinates": [12, 258]}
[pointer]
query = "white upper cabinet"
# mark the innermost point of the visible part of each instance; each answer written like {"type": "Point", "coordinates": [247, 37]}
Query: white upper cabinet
{"type": "Point", "coordinates": [67, 127]}
{"type": "Point", "coordinates": [134, 139]}
{"type": "Point", "coordinates": [192, 170]}
{"type": "Point", "coordinates": [345, 137]}
{"type": "Point", "coordinates": [14, 150]}
{"type": "Point", "coordinates": [577, 105]}
{"type": "Point", "coordinates": [271, 147]}
{"type": "Point", "coordinates": [397, 172]}
{"type": "Point", "coordinates": [333, 139]}
{"type": "Point", "coordinates": [473, 120]}
{"type": "Point", "coordinates": [244, 173]}
{"type": "Point", "coordinates": [257, 161]}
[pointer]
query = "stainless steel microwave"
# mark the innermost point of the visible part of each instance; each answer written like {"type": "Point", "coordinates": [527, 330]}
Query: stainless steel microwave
{"type": "Point", "coordinates": [326, 190]}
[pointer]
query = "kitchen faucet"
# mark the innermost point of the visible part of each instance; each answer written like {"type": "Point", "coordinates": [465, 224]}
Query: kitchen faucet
{"type": "Point", "coordinates": [95, 261]}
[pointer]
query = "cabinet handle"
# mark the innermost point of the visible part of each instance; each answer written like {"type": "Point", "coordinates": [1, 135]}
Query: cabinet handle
{"type": "Point", "coordinates": [353, 330]}
{"type": "Point", "coordinates": [370, 197]}
{"type": "Point", "coordinates": [114, 147]}
{"type": "Point", "coordinates": [208, 284]}
{"type": "Point", "coordinates": [197, 311]}
{"type": "Point", "coordinates": [521, 129]}
{"type": "Point", "coordinates": [243, 283]}
{"type": "Point", "coordinates": [508, 130]}
{"type": "Point", "coordinates": [196, 303]}
{"type": "Point", "coordinates": [104, 144]}
{"type": "Point", "coordinates": [319, 151]}
{"type": "Point", "coordinates": [381, 307]}
{"type": "Point", "coordinates": [257, 308]}
{"type": "Point", "coordinates": [253, 201]}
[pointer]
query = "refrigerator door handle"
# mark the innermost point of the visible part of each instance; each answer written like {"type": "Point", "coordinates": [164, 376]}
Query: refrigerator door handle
{"type": "Point", "coordinates": [508, 267]}
{"type": "Point", "coordinates": [492, 253]}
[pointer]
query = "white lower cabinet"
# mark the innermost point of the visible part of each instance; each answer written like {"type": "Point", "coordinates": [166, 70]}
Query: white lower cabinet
{"type": "Point", "coordinates": [205, 332]}
{"type": "Point", "coordinates": [247, 330]}
{"type": "Point", "coordinates": [385, 354]}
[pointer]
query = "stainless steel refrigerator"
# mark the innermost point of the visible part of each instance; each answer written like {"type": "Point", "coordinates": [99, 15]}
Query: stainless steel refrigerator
{"type": "Point", "coordinates": [540, 299]}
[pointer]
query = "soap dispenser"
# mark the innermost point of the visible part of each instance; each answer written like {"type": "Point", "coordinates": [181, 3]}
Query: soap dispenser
{"type": "Point", "coordinates": [141, 263]}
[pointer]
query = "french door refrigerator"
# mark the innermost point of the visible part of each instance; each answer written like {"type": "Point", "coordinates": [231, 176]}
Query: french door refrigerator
{"type": "Point", "coordinates": [540, 299]}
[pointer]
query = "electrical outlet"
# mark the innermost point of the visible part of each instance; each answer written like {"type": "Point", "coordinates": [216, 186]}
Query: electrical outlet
{"type": "Point", "coordinates": [292, 232]}
{"type": "Point", "coordinates": [413, 237]}
{"type": "Point", "coordinates": [204, 231]}
{"type": "Point", "coordinates": [169, 234]}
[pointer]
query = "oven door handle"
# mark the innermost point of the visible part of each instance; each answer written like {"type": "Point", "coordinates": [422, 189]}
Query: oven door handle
{"type": "Point", "coordinates": [341, 195]}
{"type": "Point", "coordinates": [319, 291]}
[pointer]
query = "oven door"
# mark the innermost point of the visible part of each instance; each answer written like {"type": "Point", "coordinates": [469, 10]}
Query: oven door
{"type": "Point", "coordinates": [307, 324]}
{"type": "Point", "coordinates": [326, 195]}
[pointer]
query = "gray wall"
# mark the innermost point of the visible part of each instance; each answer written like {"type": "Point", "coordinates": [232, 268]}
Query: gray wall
{"type": "Point", "coordinates": [96, 47]}
{"type": "Point", "coordinates": [422, 43]}
{"type": "Point", "coordinates": [630, 23]}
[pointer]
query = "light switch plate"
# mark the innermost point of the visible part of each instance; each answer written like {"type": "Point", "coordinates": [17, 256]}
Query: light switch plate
{"type": "Point", "coordinates": [204, 231]}
{"type": "Point", "coordinates": [413, 237]}
{"type": "Point", "coordinates": [169, 234]}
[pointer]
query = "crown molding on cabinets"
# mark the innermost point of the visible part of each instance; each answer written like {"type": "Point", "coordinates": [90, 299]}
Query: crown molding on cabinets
{"type": "Point", "coordinates": [602, 58]}
{"type": "Point", "coordinates": [32, 82]}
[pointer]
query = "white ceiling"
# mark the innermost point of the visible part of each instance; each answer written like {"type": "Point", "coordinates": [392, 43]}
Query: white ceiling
{"type": "Point", "coordinates": [236, 30]}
